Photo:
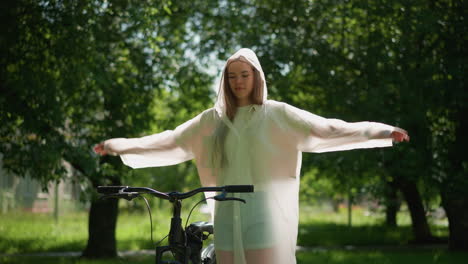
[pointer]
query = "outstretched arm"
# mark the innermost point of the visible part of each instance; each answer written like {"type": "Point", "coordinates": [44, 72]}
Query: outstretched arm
{"type": "Point", "coordinates": [155, 150]}
{"type": "Point", "coordinates": [327, 134]}
{"type": "Point", "coordinates": [334, 134]}
{"type": "Point", "coordinates": [162, 149]}
{"type": "Point", "coordinates": [120, 146]}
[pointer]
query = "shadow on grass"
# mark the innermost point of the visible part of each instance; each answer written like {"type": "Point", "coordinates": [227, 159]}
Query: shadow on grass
{"type": "Point", "coordinates": [74, 260]}
{"type": "Point", "coordinates": [339, 235]}
{"type": "Point", "coordinates": [15, 246]}
{"type": "Point", "coordinates": [25, 246]}
{"type": "Point", "coordinates": [382, 257]}
{"type": "Point", "coordinates": [322, 257]}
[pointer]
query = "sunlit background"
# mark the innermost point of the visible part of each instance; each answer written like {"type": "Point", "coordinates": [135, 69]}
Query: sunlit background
{"type": "Point", "coordinates": [74, 73]}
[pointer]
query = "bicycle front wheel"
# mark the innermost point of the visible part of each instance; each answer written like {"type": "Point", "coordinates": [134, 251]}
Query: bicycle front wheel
{"type": "Point", "coordinates": [208, 255]}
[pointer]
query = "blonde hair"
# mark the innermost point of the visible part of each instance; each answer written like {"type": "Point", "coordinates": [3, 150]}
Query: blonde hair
{"type": "Point", "coordinates": [230, 102]}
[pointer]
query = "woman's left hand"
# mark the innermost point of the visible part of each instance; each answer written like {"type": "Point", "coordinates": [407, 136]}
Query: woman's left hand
{"type": "Point", "coordinates": [399, 135]}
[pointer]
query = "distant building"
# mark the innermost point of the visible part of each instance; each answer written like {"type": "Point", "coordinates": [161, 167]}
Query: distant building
{"type": "Point", "coordinates": [26, 194]}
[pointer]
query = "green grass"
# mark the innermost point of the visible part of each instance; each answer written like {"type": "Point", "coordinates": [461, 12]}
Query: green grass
{"type": "Point", "coordinates": [27, 232]}
{"type": "Point", "coordinates": [22, 232]}
{"type": "Point", "coordinates": [330, 229]}
{"type": "Point", "coordinates": [326, 232]}
{"type": "Point", "coordinates": [322, 257]}
{"type": "Point", "coordinates": [74, 260]}
{"type": "Point", "coordinates": [382, 257]}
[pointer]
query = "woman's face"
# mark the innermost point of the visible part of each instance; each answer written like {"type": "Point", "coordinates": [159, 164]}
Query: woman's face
{"type": "Point", "coordinates": [241, 81]}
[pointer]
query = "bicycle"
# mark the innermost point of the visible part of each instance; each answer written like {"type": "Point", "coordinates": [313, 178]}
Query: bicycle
{"type": "Point", "coordinates": [186, 245]}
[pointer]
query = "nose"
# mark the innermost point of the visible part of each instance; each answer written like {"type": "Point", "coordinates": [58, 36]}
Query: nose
{"type": "Point", "coordinates": [239, 80]}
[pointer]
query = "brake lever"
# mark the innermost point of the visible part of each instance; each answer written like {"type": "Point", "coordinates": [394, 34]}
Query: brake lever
{"type": "Point", "coordinates": [230, 199]}
{"type": "Point", "coordinates": [222, 197]}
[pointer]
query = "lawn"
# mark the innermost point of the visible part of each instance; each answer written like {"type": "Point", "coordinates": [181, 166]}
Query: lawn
{"type": "Point", "coordinates": [324, 235]}
{"type": "Point", "coordinates": [322, 257]}
{"type": "Point", "coordinates": [22, 232]}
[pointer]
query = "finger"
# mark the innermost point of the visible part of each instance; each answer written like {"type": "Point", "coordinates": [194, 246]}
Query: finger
{"type": "Point", "coordinates": [98, 149]}
{"type": "Point", "coordinates": [401, 130]}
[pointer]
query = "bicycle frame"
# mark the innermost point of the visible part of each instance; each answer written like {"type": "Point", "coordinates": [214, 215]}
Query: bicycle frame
{"type": "Point", "coordinates": [177, 239]}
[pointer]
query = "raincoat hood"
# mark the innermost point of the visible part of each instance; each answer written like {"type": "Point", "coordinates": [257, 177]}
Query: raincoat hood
{"type": "Point", "coordinates": [245, 55]}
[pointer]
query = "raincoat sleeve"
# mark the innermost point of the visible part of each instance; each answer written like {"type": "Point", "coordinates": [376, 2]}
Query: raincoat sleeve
{"type": "Point", "coordinates": [318, 134]}
{"type": "Point", "coordinates": [162, 149]}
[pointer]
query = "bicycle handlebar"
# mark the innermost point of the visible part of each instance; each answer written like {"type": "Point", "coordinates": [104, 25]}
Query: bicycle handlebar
{"type": "Point", "coordinates": [131, 191]}
{"type": "Point", "coordinates": [239, 188]}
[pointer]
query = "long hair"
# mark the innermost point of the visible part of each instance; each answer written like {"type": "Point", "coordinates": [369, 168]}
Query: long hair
{"type": "Point", "coordinates": [230, 102]}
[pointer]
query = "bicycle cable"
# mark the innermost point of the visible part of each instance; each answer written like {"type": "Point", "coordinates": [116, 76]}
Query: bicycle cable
{"type": "Point", "coordinates": [151, 219]}
{"type": "Point", "coordinates": [188, 217]}
{"type": "Point", "coordinates": [151, 223]}
{"type": "Point", "coordinates": [159, 242]}
{"type": "Point", "coordinates": [213, 197]}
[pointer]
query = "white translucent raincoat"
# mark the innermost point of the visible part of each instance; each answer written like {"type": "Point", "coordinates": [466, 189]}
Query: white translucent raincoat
{"type": "Point", "coordinates": [263, 148]}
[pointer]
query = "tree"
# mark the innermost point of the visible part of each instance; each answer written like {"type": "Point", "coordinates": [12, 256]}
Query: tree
{"type": "Point", "coordinates": [78, 72]}
{"type": "Point", "coordinates": [448, 110]}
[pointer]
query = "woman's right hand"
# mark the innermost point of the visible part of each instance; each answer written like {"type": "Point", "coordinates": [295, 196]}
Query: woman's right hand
{"type": "Point", "coordinates": [100, 150]}
{"type": "Point", "coordinates": [399, 135]}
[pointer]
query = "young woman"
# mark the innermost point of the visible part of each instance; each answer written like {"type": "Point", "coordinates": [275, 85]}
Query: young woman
{"type": "Point", "coordinates": [247, 139]}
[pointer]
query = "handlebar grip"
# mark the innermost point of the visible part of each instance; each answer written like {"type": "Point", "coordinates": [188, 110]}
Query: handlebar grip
{"type": "Point", "coordinates": [239, 188]}
{"type": "Point", "coordinates": [110, 189]}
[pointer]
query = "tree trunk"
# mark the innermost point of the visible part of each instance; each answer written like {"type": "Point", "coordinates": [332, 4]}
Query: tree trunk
{"type": "Point", "coordinates": [457, 214]}
{"type": "Point", "coordinates": [454, 187]}
{"type": "Point", "coordinates": [392, 205]}
{"type": "Point", "coordinates": [421, 231]}
{"type": "Point", "coordinates": [391, 212]}
{"type": "Point", "coordinates": [102, 224]}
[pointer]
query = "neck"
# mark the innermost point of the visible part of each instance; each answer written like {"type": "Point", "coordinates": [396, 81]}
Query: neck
{"type": "Point", "coordinates": [244, 102]}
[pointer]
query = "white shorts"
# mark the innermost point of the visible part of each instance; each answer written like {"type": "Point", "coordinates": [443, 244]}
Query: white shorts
{"type": "Point", "coordinates": [255, 220]}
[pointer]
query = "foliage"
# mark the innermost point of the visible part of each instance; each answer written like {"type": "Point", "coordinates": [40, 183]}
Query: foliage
{"type": "Point", "coordinates": [80, 72]}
